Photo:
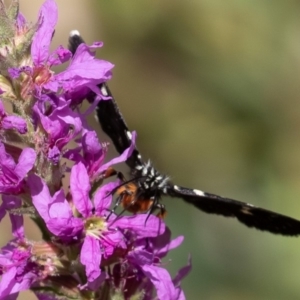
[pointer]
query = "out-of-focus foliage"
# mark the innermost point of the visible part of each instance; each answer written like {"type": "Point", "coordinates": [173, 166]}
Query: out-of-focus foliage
{"type": "Point", "coordinates": [213, 89]}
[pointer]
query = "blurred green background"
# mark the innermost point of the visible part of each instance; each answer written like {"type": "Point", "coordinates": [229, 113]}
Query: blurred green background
{"type": "Point", "coordinates": [213, 89]}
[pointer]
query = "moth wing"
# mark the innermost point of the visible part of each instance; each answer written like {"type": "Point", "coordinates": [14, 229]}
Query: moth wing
{"type": "Point", "coordinates": [246, 213]}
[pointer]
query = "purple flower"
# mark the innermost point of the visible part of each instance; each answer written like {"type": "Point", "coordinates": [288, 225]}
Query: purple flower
{"type": "Point", "coordinates": [16, 269]}
{"type": "Point", "coordinates": [84, 73]}
{"type": "Point", "coordinates": [90, 152]}
{"type": "Point", "coordinates": [93, 154]}
{"type": "Point", "coordinates": [86, 249]}
{"type": "Point", "coordinates": [61, 125]}
{"type": "Point", "coordinates": [25, 265]}
{"type": "Point", "coordinates": [183, 272]}
{"type": "Point", "coordinates": [12, 122]}
{"type": "Point", "coordinates": [43, 60]}
{"type": "Point", "coordinates": [40, 46]}
{"type": "Point", "coordinates": [84, 70]}
{"type": "Point", "coordinates": [12, 174]}
{"type": "Point", "coordinates": [101, 235]}
{"type": "Point", "coordinates": [145, 258]}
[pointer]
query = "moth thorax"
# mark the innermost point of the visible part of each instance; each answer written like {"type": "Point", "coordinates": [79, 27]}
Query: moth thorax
{"type": "Point", "coordinates": [150, 179]}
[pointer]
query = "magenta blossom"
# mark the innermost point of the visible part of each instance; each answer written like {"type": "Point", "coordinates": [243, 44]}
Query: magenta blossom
{"type": "Point", "coordinates": [84, 70]}
{"type": "Point", "coordinates": [53, 169]}
{"type": "Point", "coordinates": [18, 272]}
{"type": "Point", "coordinates": [19, 264]}
{"type": "Point", "coordinates": [12, 174]}
{"type": "Point", "coordinates": [93, 154]}
{"type": "Point", "coordinates": [101, 235]}
{"type": "Point", "coordinates": [145, 272]}
{"type": "Point", "coordinates": [11, 122]}
{"type": "Point", "coordinates": [62, 125]}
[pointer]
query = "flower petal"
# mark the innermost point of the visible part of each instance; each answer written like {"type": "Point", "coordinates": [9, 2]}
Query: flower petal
{"type": "Point", "coordinates": [104, 196]}
{"type": "Point", "coordinates": [14, 122]}
{"type": "Point", "coordinates": [60, 207]}
{"type": "Point", "coordinates": [141, 257]}
{"type": "Point", "coordinates": [65, 227]}
{"type": "Point", "coordinates": [123, 157]}
{"type": "Point", "coordinates": [41, 41]}
{"type": "Point", "coordinates": [183, 272]}
{"type": "Point", "coordinates": [80, 188]}
{"type": "Point", "coordinates": [163, 244]}
{"type": "Point", "coordinates": [161, 279]}
{"type": "Point", "coordinates": [85, 66]}
{"type": "Point", "coordinates": [90, 257]}
{"type": "Point", "coordinates": [143, 225]}
{"type": "Point", "coordinates": [10, 286]}
{"type": "Point", "coordinates": [40, 194]}
{"type": "Point", "coordinates": [6, 283]}
{"type": "Point", "coordinates": [17, 221]}
{"type": "Point", "coordinates": [26, 162]}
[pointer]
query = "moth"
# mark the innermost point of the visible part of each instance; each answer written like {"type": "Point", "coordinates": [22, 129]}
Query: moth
{"type": "Point", "coordinates": [146, 186]}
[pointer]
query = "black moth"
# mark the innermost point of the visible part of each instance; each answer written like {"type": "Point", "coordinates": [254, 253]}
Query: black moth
{"type": "Point", "coordinates": [147, 185]}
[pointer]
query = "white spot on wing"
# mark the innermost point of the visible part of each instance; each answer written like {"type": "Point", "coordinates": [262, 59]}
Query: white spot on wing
{"type": "Point", "coordinates": [176, 187]}
{"type": "Point", "coordinates": [104, 90]}
{"type": "Point", "coordinates": [129, 135]}
{"type": "Point", "coordinates": [246, 211]}
{"type": "Point", "coordinates": [199, 193]}
{"type": "Point", "coordinates": [74, 32]}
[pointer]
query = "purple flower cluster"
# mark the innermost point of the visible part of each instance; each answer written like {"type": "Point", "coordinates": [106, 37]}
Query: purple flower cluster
{"type": "Point", "coordinates": [87, 252]}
